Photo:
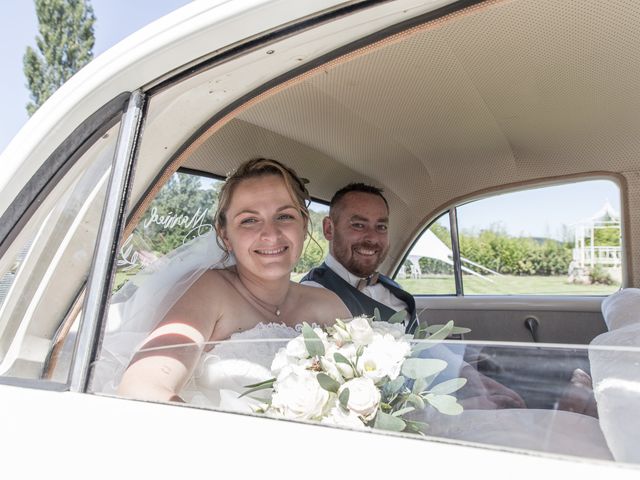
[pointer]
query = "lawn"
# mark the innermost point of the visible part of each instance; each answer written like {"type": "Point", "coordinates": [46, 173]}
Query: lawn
{"type": "Point", "coordinates": [504, 284]}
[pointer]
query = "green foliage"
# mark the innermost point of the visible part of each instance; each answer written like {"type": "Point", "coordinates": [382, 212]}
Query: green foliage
{"type": "Point", "coordinates": [442, 233]}
{"type": "Point", "coordinates": [181, 211]}
{"type": "Point", "coordinates": [599, 276]}
{"type": "Point", "coordinates": [316, 248]}
{"type": "Point", "coordinates": [607, 237]}
{"type": "Point", "coordinates": [516, 255]}
{"type": "Point", "coordinates": [65, 45]}
{"type": "Point", "coordinates": [434, 266]}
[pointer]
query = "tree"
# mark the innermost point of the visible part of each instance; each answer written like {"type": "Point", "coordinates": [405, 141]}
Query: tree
{"type": "Point", "coordinates": [65, 45]}
{"type": "Point", "coordinates": [182, 210]}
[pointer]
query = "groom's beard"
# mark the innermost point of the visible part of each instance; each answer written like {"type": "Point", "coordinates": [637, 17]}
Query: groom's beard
{"type": "Point", "coordinates": [350, 256]}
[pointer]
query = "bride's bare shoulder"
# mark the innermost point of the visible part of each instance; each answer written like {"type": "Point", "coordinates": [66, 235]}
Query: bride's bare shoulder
{"type": "Point", "coordinates": [219, 281]}
{"type": "Point", "coordinates": [321, 301]}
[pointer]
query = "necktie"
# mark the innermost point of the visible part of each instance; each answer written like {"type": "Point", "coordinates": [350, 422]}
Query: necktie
{"type": "Point", "coordinates": [366, 282]}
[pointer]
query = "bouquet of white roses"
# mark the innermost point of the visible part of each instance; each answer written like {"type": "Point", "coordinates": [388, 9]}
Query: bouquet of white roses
{"type": "Point", "coordinates": [359, 373]}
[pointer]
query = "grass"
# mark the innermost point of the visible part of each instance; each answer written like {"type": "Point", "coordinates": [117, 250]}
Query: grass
{"type": "Point", "coordinates": [504, 285]}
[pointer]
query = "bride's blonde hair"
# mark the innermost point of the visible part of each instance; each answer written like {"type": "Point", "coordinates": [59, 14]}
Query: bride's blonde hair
{"type": "Point", "coordinates": [261, 167]}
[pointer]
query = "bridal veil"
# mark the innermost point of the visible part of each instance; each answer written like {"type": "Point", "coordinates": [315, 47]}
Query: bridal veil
{"type": "Point", "coordinates": [144, 301]}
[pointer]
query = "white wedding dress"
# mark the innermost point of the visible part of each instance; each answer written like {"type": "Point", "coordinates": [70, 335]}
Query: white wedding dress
{"type": "Point", "coordinates": [223, 373]}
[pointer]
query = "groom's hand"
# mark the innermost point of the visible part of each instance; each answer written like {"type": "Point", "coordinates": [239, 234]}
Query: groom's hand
{"type": "Point", "coordinates": [484, 393]}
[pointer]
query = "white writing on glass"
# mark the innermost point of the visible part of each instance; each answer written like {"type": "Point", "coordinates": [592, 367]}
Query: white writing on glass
{"type": "Point", "coordinates": [171, 220]}
{"type": "Point", "coordinates": [130, 258]}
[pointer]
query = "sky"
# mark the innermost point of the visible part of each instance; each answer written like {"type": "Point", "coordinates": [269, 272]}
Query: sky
{"type": "Point", "coordinates": [115, 20]}
{"type": "Point", "coordinates": [540, 212]}
{"type": "Point", "coordinates": [525, 213]}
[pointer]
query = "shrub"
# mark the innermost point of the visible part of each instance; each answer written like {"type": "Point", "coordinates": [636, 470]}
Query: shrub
{"type": "Point", "coordinates": [599, 275]}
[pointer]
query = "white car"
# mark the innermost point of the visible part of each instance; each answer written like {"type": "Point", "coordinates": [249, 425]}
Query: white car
{"type": "Point", "coordinates": [444, 104]}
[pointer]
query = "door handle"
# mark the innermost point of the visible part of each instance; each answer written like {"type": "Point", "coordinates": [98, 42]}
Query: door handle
{"type": "Point", "coordinates": [532, 324]}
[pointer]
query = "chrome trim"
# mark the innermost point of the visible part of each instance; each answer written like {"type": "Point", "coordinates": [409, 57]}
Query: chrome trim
{"type": "Point", "coordinates": [455, 249]}
{"type": "Point", "coordinates": [99, 280]}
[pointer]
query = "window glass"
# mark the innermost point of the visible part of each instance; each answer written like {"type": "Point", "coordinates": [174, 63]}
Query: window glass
{"type": "Point", "coordinates": [555, 240]}
{"type": "Point", "coordinates": [428, 268]}
{"type": "Point", "coordinates": [182, 210]}
{"type": "Point", "coordinates": [533, 398]}
{"type": "Point", "coordinates": [48, 264]}
{"type": "Point", "coordinates": [316, 246]}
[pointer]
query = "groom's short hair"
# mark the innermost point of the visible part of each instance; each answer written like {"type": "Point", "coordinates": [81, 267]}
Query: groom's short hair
{"type": "Point", "coordinates": [354, 187]}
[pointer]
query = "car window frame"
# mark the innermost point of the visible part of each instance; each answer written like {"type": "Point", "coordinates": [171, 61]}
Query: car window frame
{"type": "Point", "coordinates": [451, 210]}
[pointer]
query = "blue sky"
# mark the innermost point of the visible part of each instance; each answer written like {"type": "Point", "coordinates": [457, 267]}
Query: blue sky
{"type": "Point", "coordinates": [115, 20]}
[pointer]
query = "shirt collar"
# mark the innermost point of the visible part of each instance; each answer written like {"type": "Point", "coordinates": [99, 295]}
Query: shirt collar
{"type": "Point", "coordinates": [342, 272]}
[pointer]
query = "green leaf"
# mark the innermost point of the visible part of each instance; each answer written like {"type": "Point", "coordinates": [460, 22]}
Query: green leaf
{"type": "Point", "coordinates": [460, 330]}
{"type": "Point", "coordinates": [343, 398]}
{"type": "Point", "coordinates": [416, 427]}
{"type": "Point", "coordinates": [328, 383]}
{"type": "Point", "coordinates": [258, 386]}
{"type": "Point", "coordinates": [398, 317]}
{"type": "Point", "coordinates": [449, 386]}
{"type": "Point", "coordinates": [312, 341]}
{"type": "Point", "coordinates": [446, 404]}
{"type": "Point", "coordinates": [455, 330]}
{"type": "Point", "coordinates": [422, 367]}
{"type": "Point", "coordinates": [384, 421]}
{"type": "Point", "coordinates": [443, 332]}
{"type": "Point", "coordinates": [402, 411]}
{"type": "Point", "coordinates": [394, 386]}
{"type": "Point", "coordinates": [420, 385]}
{"type": "Point", "coordinates": [376, 315]}
{"type": "Point", "coordinates": [339, 358]}
{"type": "Point", "coordinates": [420, 333]}
{"type": "Point", "coordinates": [416, 401]}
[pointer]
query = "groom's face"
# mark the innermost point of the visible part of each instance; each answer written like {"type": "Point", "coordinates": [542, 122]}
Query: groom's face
{"type": "Point", "coordinates": [358, 232]}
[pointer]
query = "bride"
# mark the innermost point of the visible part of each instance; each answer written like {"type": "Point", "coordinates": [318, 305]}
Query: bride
{"type": "Point", "coordinates": [262, 220]}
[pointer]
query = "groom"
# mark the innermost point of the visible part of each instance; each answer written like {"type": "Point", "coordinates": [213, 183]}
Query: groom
{"type": "Point", "coordinates": [358, 232]}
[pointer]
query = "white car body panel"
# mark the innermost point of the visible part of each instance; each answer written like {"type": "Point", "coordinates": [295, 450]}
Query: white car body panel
{"type": "Point", "coordinates": [74, 435]}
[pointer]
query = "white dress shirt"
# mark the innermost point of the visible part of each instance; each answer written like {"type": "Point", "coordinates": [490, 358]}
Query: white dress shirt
{"type": "Point", "coordinates": [378, 291]}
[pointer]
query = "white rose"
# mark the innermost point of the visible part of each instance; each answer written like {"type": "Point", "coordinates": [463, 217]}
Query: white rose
{"type": "Point", "coordinates": [282, 359]}
{"type": "Point", "coordinates": [298, 395]}
{"type": "Point", "coordinates": [364, 397]}
{"type": "Point", "coordinates": [343, 418]}
{"type": "Point", "coordinates": [396, 330]}
{"type": "Point", "coordinates": [340, 333]}
{"type": "Point", "coordinates": [297, 348]}
{"type": "Point", "coordinates": [360, 330]}
{"type": "Point", "coordinates": [383, 358]}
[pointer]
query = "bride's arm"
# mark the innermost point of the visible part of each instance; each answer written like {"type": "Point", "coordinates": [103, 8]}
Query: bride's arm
{"type": "Point", "coordinates": [169, 354]}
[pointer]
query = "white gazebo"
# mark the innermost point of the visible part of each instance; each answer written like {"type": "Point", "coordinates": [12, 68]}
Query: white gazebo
{"type": "Point", "coordinates": [586, 254]}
